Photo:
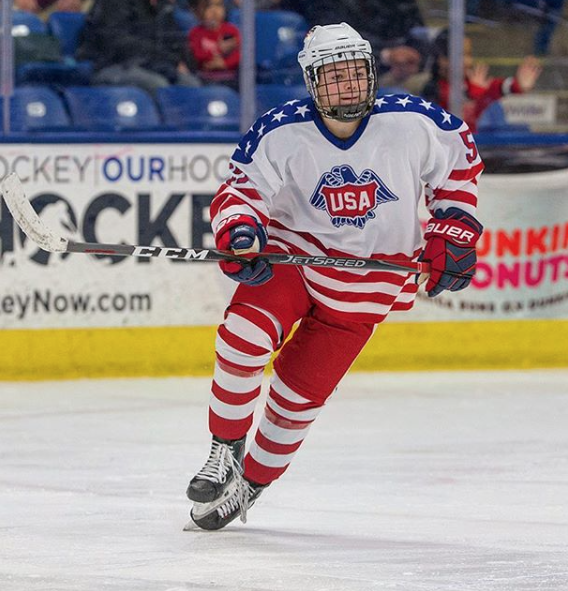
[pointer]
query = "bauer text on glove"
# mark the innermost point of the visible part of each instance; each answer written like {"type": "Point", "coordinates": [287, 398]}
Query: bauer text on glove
{"type": "Point", "coordinates": [450, 237]}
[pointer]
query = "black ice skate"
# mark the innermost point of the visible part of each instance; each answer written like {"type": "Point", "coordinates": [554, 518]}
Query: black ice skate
{"type": "Point", "coordinates": [225, 459]}
{"type": "Point", "coordinates": [238, 498]}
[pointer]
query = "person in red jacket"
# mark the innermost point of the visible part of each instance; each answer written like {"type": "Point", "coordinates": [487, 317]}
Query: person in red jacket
{"type": "Point", "coordinates": [215, 44]}
{"type": "Point", "coordinates": [479, 89]}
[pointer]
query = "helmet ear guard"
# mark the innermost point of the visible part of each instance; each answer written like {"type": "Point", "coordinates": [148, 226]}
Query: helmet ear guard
{"type": "Point", "coordinates": [343, 47]}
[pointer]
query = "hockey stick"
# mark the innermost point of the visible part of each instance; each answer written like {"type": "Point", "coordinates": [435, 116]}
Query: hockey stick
{"type": "Point", "coordinates": [31, 224]}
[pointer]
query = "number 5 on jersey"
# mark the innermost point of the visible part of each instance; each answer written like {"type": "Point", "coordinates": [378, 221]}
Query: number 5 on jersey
{"type": "Point", "coordinates": [467, 138]}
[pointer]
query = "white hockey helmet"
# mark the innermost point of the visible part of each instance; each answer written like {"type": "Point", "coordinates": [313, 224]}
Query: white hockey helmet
{"type": "Point", "coordinates": [334, 44]}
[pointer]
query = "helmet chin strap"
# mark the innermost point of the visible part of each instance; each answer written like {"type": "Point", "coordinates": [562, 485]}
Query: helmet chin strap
{"type": "Point", "coordinates": [347, 112]}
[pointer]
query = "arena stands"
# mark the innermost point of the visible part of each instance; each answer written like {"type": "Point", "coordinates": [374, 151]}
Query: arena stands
{"type": "Point", "coordinates": [45, 57]}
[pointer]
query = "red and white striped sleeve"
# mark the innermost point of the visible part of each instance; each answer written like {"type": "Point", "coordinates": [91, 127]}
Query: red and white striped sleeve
{"type": "Point", "coordinates": [454, 168]}
{"type": "Point", "coordinates": [249, 189]}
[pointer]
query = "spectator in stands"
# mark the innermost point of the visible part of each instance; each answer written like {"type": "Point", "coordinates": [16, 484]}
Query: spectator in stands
{"type": "Point", "coordinates": [136, 42]}
{"type": "Point", "coordinates": [215, 44]}
{"type": "Point", "coordinates": [479, 89]}
{"type": "Point", "coordinates": [404, 73]}
{"type": "Point", "coordinates": [385, 23]}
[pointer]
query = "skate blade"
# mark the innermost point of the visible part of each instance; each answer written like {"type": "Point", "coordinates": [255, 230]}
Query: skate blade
{"type": "Point", "coordinates": [190, 526]}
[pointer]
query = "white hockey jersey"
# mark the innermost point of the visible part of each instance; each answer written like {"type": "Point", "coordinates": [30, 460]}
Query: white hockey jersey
{"type": "Point", "coordinates": [318, 194]}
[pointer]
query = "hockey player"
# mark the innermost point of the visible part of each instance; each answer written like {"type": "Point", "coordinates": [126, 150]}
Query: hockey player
{"type": "Point", "coordinates": [339, 173]}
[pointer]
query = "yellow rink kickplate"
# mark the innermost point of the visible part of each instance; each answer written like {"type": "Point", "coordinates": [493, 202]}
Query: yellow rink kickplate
{"type": "Point", "coordinates": [164, 351]}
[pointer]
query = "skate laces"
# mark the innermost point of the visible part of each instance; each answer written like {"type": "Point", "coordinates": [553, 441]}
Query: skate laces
{"type": "Point", "coordinates": [239, 501]}
{"type": "Point", "coordinates": [218, 464]}
{"type": "Point", "coordinates": [242, 491]}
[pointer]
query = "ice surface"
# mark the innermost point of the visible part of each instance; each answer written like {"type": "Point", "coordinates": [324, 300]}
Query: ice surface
{"type": "Point", "coordinates": [411, 482]}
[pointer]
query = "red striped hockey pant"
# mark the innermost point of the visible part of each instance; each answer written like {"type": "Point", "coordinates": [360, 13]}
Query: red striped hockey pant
{"type": "Point", "coordinates": [306, 371]}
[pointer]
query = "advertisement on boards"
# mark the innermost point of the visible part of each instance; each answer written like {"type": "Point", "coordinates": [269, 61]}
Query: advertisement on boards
{"type": "Point", "coordinates": [133, 194]}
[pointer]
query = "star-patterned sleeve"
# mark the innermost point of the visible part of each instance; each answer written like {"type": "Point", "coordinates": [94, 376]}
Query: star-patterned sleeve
{"type": "Point", "coordinates": [453, 168]}
{"type": "Point", "coordinates": [451, 162]}
{"type": "Point", "coordinates": [254, 178]}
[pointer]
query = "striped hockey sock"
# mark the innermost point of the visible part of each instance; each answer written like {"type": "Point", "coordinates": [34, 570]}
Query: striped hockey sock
{"type": "Point", "coordinates": [245, 342]}
{"type": "Point", "coordinates": [284, 425]}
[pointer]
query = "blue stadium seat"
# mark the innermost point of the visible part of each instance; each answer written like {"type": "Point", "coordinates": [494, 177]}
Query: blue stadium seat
{"type": "Point", "coordinates": [112, 108]}
{"type": "Point", "coordinates": [279, 38]}
{"type": "Point", "coordinates": [280, 35]}
{"type": "Point", "coordinates": [56, 74]}
{"type": "Point", "coordinates": [60, 70]}
{"type": "Point", "coordinates": [24, 23]}
{"type": "Point", "coordinates": [67, 27]}
{"type": "Point", "coordinates": [271, 95]}
{"type": "Point", "coordinates": [185, 19]}
{"type": "Point", "coordinates": [209, 108]}
{"type": "Point", "coordinates": [37, 109]}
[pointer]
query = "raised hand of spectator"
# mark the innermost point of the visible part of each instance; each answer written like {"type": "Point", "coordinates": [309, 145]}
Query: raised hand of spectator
{"type": "Point", "coordinates": [478, 75]}
{"type": "Point", "coordinates": [528, 73]}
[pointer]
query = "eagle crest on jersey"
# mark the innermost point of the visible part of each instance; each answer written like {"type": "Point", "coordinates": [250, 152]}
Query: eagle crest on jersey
{"type": "Point", "coordinates": [350, 200]}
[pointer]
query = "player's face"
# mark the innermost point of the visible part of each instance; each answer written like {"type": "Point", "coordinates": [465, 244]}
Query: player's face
{"type": "Point", "coordinates": [343, 83]}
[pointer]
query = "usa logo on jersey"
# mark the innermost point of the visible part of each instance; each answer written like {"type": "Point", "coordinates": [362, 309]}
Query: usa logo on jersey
{"type": "Point", "coordinates": [350, 199]}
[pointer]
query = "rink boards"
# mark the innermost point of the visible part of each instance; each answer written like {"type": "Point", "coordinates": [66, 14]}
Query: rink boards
{"type": "Point", "coordinates": [77, 316]}
{"type": "Point", "coordinates": [77, 353]}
